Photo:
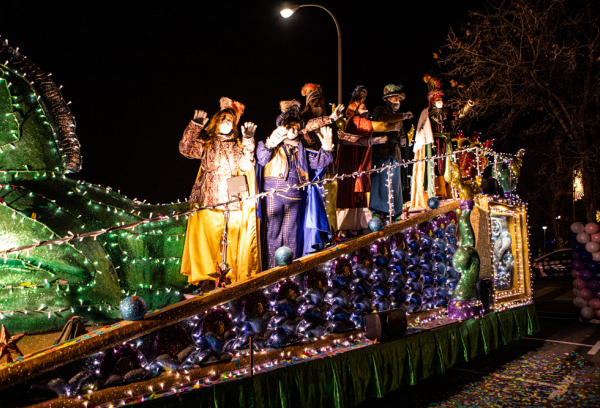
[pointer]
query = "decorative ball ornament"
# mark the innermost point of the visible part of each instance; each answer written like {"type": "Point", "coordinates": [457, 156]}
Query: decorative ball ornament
{"type": "Point", "coordinates": [594, 303]}
{"type": "Point", "coordinates": [586, 294]}
{"type": "Point", "coordinates": [580, 302]}
{"type": "Point", "coordinates": [583, 237]}
{"type": "Point", "coordinates": [592, 247]}
{"type": "Point", "coordinates": [592, 228]}
{"type": "Point", "coordinates": [593, 285]}
{"type": "Point", "coordinates": [284, 255]}
{"type": "Point", "coordinates": [433, 203]}
{"type": "Point", "coordinates": [577, 227]}
{"type": "Point", "coordinates": [375, 224]}
{"type": "Point", "coordinates": [133, 308]}
{"type": "Point", "coordinates": [596, 237]}
{"type": "Point", "coordinates": [585, 275]}
{"type": "Point", "coordinates": [585, 257]}
{"type": "Point", "coordinates": [587, 313]}
{"type": "Point", "coordinates": [579, 284]}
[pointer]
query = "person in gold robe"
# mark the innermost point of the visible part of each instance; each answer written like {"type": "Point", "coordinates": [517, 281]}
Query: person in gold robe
{"type": "Point", "coordinates": [223, 154]}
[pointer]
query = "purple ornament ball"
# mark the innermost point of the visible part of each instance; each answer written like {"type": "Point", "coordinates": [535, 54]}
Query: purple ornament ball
{"type": "Point", "coordinates": [585, 257]}
{"type": "Point", "coordinates": [585, 275]}
{"type": "Point", "coordinates": [593, 285]}
{"type": "Point", "coordinates": [577, 247]}
{"type": "Point", "coordinates": [578, 265]}
{"type": "Point", "coordinates": [575, 255]}
{"type": "Point", "coordinates": [593, 267]}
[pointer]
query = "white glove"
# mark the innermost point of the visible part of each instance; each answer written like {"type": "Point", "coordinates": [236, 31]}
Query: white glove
{"type": "Point", "coordinates": [338, 112]}
{"type": "Point", "coordinates": [326, 136]}
{"type": "Point", "coordinates": [200, 117]}
{"type": "Point", "coordinates": [276, 137]}
{"type": "Point", "coordinates": [407, 115]}
{"type": "Point", "coordinates": [380, 140]}
{"type": "Point", "coordinates": [248, 130]}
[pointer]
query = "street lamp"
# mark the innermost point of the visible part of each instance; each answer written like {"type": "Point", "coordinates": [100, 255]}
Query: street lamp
{"type": "Point", "coordinates": [288, 11]}
{"type": "Point", "coordinates": [544, 228]}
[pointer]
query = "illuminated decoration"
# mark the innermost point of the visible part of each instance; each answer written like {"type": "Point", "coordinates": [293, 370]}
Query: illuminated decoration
{"type": "Point", "coordinates": [578, 191]}
{"type": "Point", "coordinates": [8, 343]}
{"type": "Point", "coordinates": [42, 287]}
{"type": "Point", "coordinates": [498, 218]}
{"type": "Point", "coordinates": [73, 247]}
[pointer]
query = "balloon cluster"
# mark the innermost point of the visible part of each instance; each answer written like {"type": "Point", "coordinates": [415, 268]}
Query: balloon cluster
{"type": "Point", "coordinates": [411, 270]}
{"type": "Point", "coordinates": [586, 268]}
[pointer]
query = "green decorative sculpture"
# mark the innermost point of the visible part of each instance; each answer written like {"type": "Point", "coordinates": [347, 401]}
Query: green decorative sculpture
{"type": "Point", "coordinates": [464, 304]}
{"type": "Point", "coordinates": [41, 288]}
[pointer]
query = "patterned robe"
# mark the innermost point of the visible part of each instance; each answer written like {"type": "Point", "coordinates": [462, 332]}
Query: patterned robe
{"type": "Point", "coordinates": [221, 158]}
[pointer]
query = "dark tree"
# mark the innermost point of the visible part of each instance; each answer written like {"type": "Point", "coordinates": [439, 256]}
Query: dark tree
{"type": "Point", "coordinates": [533, 69]}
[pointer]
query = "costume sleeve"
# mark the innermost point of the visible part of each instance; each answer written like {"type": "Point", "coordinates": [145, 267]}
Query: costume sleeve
{"type": "Point", "coordinates": [263, 154]}
{"type": "Point", "coordinates": [350, 139]}
{"type": "Point", "coordinates": [247, 162]}
{"type": "Point", "coordinates": [317, 123]}
{"type": "Point", "coordinates": [319, 159]}
{"type": "Point", "coordinates": [191, 144]}
{"type": "Point", "coordinates": [383, 126]}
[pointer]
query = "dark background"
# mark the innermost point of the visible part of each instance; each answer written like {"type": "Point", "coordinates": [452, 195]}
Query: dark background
{"type": "Point", "coordinates": [135, 72]}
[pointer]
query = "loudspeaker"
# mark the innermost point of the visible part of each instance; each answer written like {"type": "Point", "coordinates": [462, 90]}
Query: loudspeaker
{"type": "Point", "coordinates": [387, 325]}
{"type": "Point", "coordinates": [483, 290]}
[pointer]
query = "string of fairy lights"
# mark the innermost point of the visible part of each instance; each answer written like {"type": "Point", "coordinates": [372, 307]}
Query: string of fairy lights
{"type": "Point", "coordinates": [161, 218]}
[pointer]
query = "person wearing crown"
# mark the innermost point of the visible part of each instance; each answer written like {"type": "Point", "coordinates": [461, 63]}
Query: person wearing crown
{"type": "Point", "coordinates": [390, 153]}
{"type": "Point", "coordinates": [223, 154]}
{"type": "Point", "coordinates": [352, 191]}
{"type": "Point", "coordinates": [286, 162]}
{"type": "Point", "coordinates": [434, 133]}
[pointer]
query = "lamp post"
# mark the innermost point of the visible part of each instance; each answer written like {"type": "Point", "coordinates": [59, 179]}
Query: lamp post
{"type": "Point", "coordinates": [544, 228]}
{"type": "Point", "coordinates": [288, 11]}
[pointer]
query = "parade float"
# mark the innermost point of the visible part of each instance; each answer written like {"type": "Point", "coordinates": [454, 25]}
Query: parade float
{"type": "Point", "coordinates": [295, 335]}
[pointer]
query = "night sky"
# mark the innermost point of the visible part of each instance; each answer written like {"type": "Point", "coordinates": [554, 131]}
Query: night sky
{"type": "Point", "coordinates": [135, 72]}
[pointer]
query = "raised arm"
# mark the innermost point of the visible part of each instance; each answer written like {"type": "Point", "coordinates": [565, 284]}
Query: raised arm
{"type": "Point", "coordinates": [321, 121]}
{"type": "Point", "coordinates": [248, 145]}
{"type": "Point", "coordinates": [191, 144]}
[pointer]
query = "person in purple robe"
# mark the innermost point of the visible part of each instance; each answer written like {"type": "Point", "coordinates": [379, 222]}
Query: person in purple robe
{"type": "Point", "coordinates": [286, 162]}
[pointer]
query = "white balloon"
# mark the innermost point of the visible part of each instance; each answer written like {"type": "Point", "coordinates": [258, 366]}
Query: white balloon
{"type": "Point", "coordinates": [596, 256]}
{"type": "Point", "coordinates": [583, 238]}
{"type": "Point", "coordinates": [587, 313]}
{"type": "Point", "coordinates": [592, 247]}
{"type": "Point", "coordinates": [580, 302]}
{"type": "Point", "coordinates": [577, 227]}
{"type": "Point", "coordinates": [575, 292]}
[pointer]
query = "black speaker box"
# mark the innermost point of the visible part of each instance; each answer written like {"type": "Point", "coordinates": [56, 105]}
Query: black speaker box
{"type": "Point", "coordinates": [387, 325]}
{"type": "Point", "coordinates": [483, 289]}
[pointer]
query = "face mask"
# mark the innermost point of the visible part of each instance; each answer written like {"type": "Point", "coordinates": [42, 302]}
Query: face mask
{"type": "Point", "coordinates": [225, 128]}
{"type": "Point", "coordinates": [316, 111]}
{"type": "Point", "coordinates": [395, 106]}
{"type": "Point", "coordinates": [439, 104]}
{"type": "Point", "coordinates": [363, 113]}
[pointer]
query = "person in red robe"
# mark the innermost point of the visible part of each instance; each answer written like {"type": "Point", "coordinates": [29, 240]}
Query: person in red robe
{"type": "Point", "coordinates": [352, 199]}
